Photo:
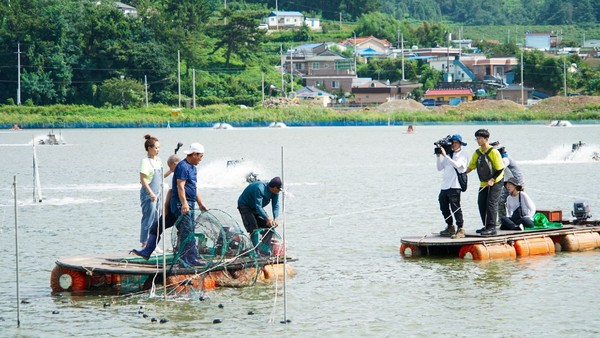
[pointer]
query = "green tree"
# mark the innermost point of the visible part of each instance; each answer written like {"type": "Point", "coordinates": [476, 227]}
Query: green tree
{"type": "Point", "coordinates": [354, 8]}
{"type": "Point", "coordinates": [240, 36]}
{"type": "Point", "coordinates": [431, 34]}
{"type": "Point", "coordinates": [126, 93]}
{"type": "Point", "coordinates": [429, 77]}
{"type": "Point", "coordinates": [380, 25]}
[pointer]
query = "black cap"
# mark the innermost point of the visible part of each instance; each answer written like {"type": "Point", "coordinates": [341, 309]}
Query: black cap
{"type": "Point", "coordinates": [275, 182]}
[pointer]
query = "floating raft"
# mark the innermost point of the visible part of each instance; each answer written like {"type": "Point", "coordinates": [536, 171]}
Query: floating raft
{"type": "Point", "coordinates": [122, 273]}
{"type": "Point", "coordinates": [506, 244]}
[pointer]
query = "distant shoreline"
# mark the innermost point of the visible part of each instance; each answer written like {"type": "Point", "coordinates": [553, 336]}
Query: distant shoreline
{"type": "Point", "coordinates": [78, 125]}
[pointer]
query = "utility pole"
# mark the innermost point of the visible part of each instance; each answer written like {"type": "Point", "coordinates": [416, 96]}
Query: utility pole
{"type": "Point", "coordinates": [354, 33]}
{"type": "Point", "coordinates": [194, 88]}
{"type": "Point", "coordinates": [146, 89]}
{"type": "Point", "coordinates": [179, 76]}
{"type": "Point", "coordinates": [522, 89]}
{"type": "Point", "coordinates": [402, 53]}
{"type": "Point", "coordinates": [282, 70]}
{"type": "Point", "coordinates": [18, 74]}
{"type": "Point", "coordinates": [263, 88]}
{"type": "Point", "coordinates": [460, 37]}
{"type": "Point", "coordinates": [448, 58]}
{"type": "Point", "coordinates": [291, 70]}
{"type": "Point", "coordinates": [565, 74]}
{"type": "Point", "coordinates": [224, 17]}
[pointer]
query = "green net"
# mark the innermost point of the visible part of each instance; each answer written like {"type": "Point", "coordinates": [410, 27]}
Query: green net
{"type": "Point", "coordinates": [540, 221]}
{"type": "Point", "coordinates": [220, 241]}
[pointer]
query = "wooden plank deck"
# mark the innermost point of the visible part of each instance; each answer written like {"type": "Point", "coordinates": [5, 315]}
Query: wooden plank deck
{"type": "Point", "coordinates": [503, 236]}
{"type": "Point", "coordinates": [125, 264]}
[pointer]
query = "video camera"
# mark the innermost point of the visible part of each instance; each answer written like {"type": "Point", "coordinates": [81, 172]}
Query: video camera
{"type": "Point", "coordinates": [445, 143]}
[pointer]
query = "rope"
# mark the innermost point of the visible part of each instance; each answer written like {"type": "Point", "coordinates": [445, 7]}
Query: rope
{"type": "Point", "coordinates": [330, 217]}
{"type": "Point", "coordinates": [559, 194]}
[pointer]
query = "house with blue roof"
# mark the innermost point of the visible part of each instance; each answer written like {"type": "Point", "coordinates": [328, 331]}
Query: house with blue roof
{"type": "Point", "coordinates": [285, 19]}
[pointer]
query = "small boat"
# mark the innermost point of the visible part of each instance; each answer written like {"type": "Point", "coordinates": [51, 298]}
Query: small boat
{"type": "Point", "coordinates": [222, 126]}
{"type": "Point", "coordinates": [228, 259]}
{"type": "Point", "coordinates": [579, 234]}
{"type": "Point", "coordinates": [560, 123]}
{"type": "Point", "coordinates": [585, 150]}
{"type": "Point", "coordinates": [250, 176]}
{"type": "Point", "coordinates": [50, 139]}
{"type": "Point", "coordinates": [277, 125]}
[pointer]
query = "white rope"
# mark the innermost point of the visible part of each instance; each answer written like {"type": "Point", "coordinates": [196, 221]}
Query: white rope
{"type": "Point", "coordinates": [330, 217]}
{"type": "Point", "coordinates": [559, 194]}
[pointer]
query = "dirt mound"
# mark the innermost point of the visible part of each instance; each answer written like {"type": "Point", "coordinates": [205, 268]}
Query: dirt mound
{"type": "Point", "coordinates": [484, 105]}
{"type": "Point", "coordinates": [401, 105]}
{"type": "Point", "coordinates": [279, 102]}
{"type": "Point", "coordinates": [565, 104]}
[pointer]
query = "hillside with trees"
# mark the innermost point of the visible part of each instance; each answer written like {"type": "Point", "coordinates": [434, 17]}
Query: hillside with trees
{"type": "Point", "coordinates": [467, 12]}
{"type": "Point", "coordinates": [88, 52]}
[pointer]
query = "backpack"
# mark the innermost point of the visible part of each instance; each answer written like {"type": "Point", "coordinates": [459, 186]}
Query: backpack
{"type": "Point", "coordinates": [485, 169]}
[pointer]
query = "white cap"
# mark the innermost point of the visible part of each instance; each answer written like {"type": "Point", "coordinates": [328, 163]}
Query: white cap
{"type": "Point", "coordinates": [195, 148]}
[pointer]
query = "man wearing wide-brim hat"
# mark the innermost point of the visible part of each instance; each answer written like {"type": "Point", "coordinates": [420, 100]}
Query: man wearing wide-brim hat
{"type": "Point", "coordinates": [450, 190]}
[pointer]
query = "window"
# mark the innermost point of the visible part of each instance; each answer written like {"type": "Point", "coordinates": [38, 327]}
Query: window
{"type": "Point", "coordinates": [316, 65]}
{"type": "Point", "coordinates": [335, 84]}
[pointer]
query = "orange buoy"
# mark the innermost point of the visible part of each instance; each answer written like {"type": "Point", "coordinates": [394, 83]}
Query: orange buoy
{"type": "Point", "coordinates": [409, 250]}
{"type": "Point", "coordinates": [276, 271]}
{"type": "Point", "coordinates": [63, 279]}
{"type": "Point", "coordinates": [484, 252]}
{"type": "Point", "coordinates": [181, 283]}
{"type": "Point", "coordinates": [582, 241]}
{"type": "Point", "coordinates": [209, 282]}
{"type": "Point", "coordinates": [534, 246]}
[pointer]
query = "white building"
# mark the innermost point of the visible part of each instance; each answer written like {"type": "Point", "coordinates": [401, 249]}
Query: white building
{"type": "Point", "coordinates": [284, 19]}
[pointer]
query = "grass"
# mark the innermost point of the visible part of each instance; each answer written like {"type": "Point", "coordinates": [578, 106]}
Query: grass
{"type": "Point", "coordinates": [83, 116]}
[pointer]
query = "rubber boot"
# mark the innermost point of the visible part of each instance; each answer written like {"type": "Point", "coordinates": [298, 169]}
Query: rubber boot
{"type": "Point", "coordinates": [148, 249]}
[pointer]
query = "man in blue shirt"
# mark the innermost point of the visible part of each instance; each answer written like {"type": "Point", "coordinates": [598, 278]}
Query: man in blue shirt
{"type": "Point", "coordinates": [183, 196]}
{"type": "Point", "coordinates": [251, 202]}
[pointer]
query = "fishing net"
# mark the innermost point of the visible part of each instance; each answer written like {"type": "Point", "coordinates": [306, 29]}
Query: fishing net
{"type": "Point", "coordinates": [219, 239]}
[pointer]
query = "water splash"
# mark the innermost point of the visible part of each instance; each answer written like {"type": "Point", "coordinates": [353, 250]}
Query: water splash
{"type": "Point", "coordinates": [217, 174]}
{"type": "Point", "coordinates": [48, 139]}
{"type": "Point", "coordinates": [575, 153]}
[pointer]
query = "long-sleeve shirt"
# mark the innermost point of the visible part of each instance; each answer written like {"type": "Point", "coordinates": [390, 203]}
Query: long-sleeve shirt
{"type": "Point", "coordinates": [513, 168]}
{"type": "Point", "coordinates": [256, 196]}
{"type": "Point", "coordinates": [527, 206]}
{"type": "Point", "coordinates": [495, 159]}
{"type": "Point", "coordinates": [459, 162]}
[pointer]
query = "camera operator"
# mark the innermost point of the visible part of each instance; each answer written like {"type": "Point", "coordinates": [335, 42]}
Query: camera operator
{"type": "Point", "coordinates": [449, 197]}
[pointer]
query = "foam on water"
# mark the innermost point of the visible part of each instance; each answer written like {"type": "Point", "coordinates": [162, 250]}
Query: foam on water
{"type": "Point", "coordinates": [217, 174]}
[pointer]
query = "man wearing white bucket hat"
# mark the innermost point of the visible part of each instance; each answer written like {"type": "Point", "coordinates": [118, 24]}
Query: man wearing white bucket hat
{"type": "Point", "coordinates": [183, 197]}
